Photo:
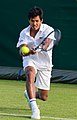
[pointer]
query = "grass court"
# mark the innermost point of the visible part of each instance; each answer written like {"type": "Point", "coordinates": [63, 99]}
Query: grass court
{"type": "Point", "coordinates": [61, 104]}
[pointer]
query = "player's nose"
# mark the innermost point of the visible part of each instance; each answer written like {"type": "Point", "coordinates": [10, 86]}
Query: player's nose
{"type": "Point", "coordinates": [34, 23]}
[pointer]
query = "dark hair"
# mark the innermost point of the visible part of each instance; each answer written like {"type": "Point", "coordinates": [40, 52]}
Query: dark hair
{"type": "Point", "coordinates": [35, 11]}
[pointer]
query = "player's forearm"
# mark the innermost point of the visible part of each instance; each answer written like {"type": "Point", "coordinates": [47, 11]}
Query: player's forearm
{"type": "Point", "coordinates": [46, 43]}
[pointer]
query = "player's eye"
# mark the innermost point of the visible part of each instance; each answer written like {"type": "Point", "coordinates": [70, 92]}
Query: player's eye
{"type": "Point", "coordinates": [32, 20]}
{"type": "Point", "coordinates": [37, 20]}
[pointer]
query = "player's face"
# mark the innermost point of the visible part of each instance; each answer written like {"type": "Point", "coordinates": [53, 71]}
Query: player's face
{"type": "Point", "coordinates": [35, 22]}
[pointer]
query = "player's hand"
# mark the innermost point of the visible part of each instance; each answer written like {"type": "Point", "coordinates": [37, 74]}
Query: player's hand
{"type": "Point", "coordinates": [26, 53]}
{"type": "Point", "coordinates": [32, 51]}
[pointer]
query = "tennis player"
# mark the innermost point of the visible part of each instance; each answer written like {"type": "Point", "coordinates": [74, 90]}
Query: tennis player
{"type": "Point", "coordinates": [37, 64]}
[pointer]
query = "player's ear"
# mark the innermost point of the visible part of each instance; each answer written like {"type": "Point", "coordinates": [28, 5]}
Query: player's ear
{"type": "Point", "coordinates": [42, 20]}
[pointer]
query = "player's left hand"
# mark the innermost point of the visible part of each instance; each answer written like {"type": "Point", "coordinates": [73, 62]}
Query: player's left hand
{"type": "Point", "coordinates": [46, 43]}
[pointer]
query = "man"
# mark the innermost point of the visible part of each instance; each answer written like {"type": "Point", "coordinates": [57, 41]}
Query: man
{"type": "Point", "coordinates": [37, 64]}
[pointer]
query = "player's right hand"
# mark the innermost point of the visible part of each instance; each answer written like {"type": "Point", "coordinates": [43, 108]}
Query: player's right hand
{"type": "Point", "coordinates": [32, 51]}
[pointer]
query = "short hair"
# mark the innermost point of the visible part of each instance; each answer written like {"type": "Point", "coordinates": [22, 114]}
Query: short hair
{"type": "Point", "coordinates": [35, 11]}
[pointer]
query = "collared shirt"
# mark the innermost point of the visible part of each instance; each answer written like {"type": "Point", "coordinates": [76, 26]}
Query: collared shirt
{"type": "Point", "coordinates": [42, 59]}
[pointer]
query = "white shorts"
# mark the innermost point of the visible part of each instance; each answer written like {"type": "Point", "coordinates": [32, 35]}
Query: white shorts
{"type": "Point", "coordinates": [42, 76]}
{"type": "Point", "coordinates": [43, 79]}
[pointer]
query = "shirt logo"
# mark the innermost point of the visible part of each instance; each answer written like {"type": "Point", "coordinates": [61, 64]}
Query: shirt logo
{"type": "Point", "coordinates": [41, 37]}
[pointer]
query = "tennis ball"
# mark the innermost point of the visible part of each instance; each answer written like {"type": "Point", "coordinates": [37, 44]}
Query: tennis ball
{"type": "Point", "coordinates": [25, 50]}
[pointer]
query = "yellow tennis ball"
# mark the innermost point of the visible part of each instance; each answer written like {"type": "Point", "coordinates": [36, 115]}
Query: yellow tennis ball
{"type": "Point", "coordinates": [25, 50]}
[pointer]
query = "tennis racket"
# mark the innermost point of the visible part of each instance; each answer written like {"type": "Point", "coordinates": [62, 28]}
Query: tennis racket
{"type": "Point", "coordinates": [57, 35]}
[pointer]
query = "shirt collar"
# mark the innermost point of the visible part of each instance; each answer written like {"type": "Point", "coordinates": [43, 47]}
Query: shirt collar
{"type": "Point", "coordinates": [41, 28]}
{"type": "Point", "coordinates": [28, 31]}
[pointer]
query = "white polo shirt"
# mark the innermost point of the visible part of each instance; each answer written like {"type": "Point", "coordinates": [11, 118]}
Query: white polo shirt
{"type": "Point", "coordinates": [42, 59]}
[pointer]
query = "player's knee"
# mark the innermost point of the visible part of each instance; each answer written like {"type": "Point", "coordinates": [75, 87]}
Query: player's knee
{"type": "Point", "coordinates": [30, 74]}
{"type": "Point", "coordinates": [44, 97]}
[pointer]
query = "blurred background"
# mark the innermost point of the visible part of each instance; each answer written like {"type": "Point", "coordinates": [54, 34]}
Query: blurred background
{"type": "Point", "coordinates": [57, 13]}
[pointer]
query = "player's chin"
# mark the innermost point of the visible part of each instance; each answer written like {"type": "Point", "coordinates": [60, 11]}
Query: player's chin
{"type": "Point", "coordinates": [35, 28]}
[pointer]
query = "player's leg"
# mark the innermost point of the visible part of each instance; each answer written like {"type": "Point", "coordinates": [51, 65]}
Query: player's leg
{"type": "Point", "coordinates": [42, 94]}
{"type": "Point", "coordinates": [30, 78]}
{"type": "Point", "coordinates": [43, 84]}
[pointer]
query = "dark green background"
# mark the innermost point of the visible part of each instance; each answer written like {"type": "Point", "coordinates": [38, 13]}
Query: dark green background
{"type": "Point", "coordinates": [61, 14]}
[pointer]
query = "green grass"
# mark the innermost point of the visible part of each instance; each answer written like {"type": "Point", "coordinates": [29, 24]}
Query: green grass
{"type": "Point", "coordinates": [62, 101]}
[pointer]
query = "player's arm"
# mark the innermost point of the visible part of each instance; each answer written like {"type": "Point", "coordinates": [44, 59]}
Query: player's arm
{"type": "Point", "coordinates": [46, 43]}
{"type": "Point", "coordinates": [27, 52]}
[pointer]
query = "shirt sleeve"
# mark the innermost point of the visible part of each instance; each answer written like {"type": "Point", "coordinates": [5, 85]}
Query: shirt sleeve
{"type": "Point", "coordinates": [48, 31]}
{"type": "Point", "coordinates": [22, 39]}
{"type": "Point", "coordinates": [51, 36]}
